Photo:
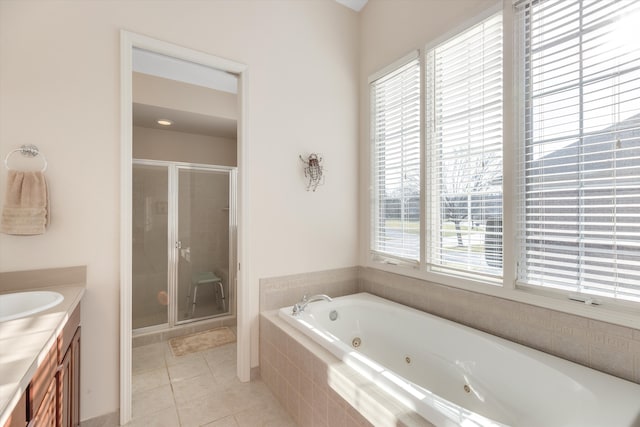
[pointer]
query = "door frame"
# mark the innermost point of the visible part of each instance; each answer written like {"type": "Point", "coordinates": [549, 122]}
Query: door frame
{"type": "Point", "coordinates": [129, 40]}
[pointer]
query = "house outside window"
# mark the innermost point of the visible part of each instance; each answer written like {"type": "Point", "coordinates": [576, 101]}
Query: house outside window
{"type": "Point", "coordinates": [579, 222]}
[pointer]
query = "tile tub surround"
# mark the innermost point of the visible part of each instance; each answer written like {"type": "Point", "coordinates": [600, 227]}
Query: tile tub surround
{"type": "Point", "coordinates": [599, 345]}
{"type": "Point", "coordinates": [319, 390]}
{"type": "Point", "coordinates": [277, 292]}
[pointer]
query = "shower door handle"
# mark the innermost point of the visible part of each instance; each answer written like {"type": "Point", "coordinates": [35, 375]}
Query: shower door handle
{"type": "Point", "coordinates": [178, 244]}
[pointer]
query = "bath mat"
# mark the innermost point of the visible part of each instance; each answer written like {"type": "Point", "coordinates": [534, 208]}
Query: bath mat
{"type": "Point", "coordinates": [201, 341]}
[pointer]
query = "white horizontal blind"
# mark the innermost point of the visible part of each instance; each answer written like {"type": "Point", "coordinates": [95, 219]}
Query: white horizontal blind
{"type": "Point", "coordinates": [464, 152]}
{"type": "Point", "coordinates": [579, 223]}
{"type": "Point", "coordinates": [395, 136]}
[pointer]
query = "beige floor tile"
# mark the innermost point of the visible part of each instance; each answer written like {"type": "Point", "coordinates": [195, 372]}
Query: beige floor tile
{"type": "Point", "coordinates": [265, 415]}
{"type": "Point", "coordinates": [199, 389]}
{"type": "Point", "coordinates": [243, 396]}
{"type": "Point", "coordinates": [165, 418]}
{"type": "Point", "coordinates": [188, 368]}
{"type": "Point", "coordinates": [197, 386]}
{"type": "Point", "coordinates": [221, 354]}
{"type": "Point", "coordinates": [224, 371]}
{"type": "Point", "coordinates": [204, 409]}
{"type": "Point", "coordinates": [176, 360]}
{"type": "Point", "coordinates": [155, 348]}
{"type": "Point", "coordinates": [151, 401]}
{"type": "Point", "coordinates": [147, 361]}
{"type": "Point", "coordinates": [149, 380]}
{"type": "Point", "coordinates": [229, 421]}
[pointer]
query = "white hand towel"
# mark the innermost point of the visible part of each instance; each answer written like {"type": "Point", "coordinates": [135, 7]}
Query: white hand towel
{"type": "Point", "coordinates": [26, 207]}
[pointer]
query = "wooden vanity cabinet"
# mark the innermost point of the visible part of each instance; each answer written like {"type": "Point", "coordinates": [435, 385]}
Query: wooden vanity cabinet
{"type": "Point", "coordinates": [18, 417]}
{"type": "Point", "coordinates": [69, 384]}
{"type": "Point", "coordinates": [69, 373]}
{"type": "Point", "coordinates": [53, 396]}
{"type": "Point", "coordinates": [41, 401]}
{"type": "Point", "coordinates": [45, 416]}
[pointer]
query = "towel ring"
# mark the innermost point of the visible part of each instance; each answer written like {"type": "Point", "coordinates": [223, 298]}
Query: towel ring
{"type": "Point", "coordinates": [27, 151]}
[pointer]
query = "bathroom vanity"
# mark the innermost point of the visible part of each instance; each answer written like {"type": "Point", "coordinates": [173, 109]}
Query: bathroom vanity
{"type": "Point", "coordinates": [40, 364]}
{"type": "Point", "coordinates": [53, 395]}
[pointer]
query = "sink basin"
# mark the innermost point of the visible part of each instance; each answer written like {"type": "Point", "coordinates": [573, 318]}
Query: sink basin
{"type": "Point", "coordinates": [21, 304]}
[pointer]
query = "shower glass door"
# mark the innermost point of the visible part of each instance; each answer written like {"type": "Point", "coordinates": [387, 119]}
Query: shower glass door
{"type": "Point", "coordinates": [202, 242]}
{"type": "Point", "coordinates": [149, 231]}
{"type": "Point", "coordinates": [183, 243]}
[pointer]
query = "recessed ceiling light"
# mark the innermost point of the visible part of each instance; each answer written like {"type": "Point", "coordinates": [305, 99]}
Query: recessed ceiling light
{"type": "Point", "coordinates": [164, 122]}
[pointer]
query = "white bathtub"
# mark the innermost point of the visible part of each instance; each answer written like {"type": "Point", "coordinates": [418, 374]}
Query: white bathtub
{"type": "Point", "coordinates": [453, 375]}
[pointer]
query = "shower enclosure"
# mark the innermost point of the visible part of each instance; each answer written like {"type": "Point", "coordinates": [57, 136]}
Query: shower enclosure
{"type": "Point", "coordinates": [183, 243]}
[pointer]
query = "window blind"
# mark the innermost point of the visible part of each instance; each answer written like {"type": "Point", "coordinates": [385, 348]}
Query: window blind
{"type": "Point", "coordinates": [396, 162]}
{"type": "Point", "coordinates": [464, 152]}
{"type": "Point", "coordinates": [579, 165]}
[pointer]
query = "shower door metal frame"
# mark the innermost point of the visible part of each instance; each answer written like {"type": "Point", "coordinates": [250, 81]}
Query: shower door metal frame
{"type": "Point", "coordinates": [173, 248]}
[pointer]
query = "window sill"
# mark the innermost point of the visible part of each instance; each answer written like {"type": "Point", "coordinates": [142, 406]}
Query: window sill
{"type": "Point", "coordinates": [610, 311]}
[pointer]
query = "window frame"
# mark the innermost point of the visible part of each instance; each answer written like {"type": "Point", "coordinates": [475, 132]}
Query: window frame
{"type": "Point", "coordinates": [432, 145]}
{"type": "Point", "coordinates": [373, 254]}
{"type": "Point", "coordinates": [611, 310]}
{"type": "Point", "coordinates": [523, 121]}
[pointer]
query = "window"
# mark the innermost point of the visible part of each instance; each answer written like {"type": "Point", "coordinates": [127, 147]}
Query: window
{"type": "Point", "coordinates": [574, 205]}
{"type": "Point", "coordinates": [395, 134]}
{"type": "Point", "coordinates": [464, 152]}
{"type": "Point", "coordinates": [579, 219]}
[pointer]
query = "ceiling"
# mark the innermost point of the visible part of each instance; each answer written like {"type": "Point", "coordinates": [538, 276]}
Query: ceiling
{"type": "Point", "coordinates": [147, 115]}
{"type": "Point", "coordinates": [169, 68]}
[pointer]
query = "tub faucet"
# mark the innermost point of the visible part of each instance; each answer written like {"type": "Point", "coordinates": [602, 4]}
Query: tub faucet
{"type": "Point", "coordinates": [300, 306]}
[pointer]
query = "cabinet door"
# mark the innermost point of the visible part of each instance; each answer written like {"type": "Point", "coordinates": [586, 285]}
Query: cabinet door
{"type": "Point", "coordinates": [46, 414]}
{"type": "Point", "coordinates": [75, 379]}
{"type": "Point", "coordinates": [64, 390]}
{"type": "Point", "coordinates": [39, 386]}
{"type": "Point", "coordinates": [69, 385]}
{"type": "Point", "coordinates": [18, 417]}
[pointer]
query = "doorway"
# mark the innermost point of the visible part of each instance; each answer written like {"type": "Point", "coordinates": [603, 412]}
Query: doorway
{"type": "Point", "coordinates": [129, 42]}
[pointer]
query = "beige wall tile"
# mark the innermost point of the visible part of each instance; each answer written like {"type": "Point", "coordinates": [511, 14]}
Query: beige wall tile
{"type": "Point", "coordinates": [599, 345]}
{"type": "Point", "coordinates": [619, 364]}
{"type": "Point", "coordinates": [571, 347]}
{"type": "Point", "coordinates": [277, 292]}
{"type": "Point", "coordinates": [610, 329]}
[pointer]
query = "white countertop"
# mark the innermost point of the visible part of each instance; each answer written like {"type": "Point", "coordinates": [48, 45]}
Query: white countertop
{"type": "Point", "coordinates": [25, 342]}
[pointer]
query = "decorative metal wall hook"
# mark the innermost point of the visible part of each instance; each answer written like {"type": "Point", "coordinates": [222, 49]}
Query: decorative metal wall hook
{"type": "Point", "coordinates": [313, 171]}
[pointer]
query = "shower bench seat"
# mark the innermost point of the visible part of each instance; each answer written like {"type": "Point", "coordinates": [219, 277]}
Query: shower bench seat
{"type": "Point", "coordinates": [206, 278]}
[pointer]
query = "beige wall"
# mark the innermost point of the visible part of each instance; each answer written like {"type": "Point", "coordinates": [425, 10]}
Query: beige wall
{"type": "Point", "coordinates": [155, 144]}
{"type": "Point", "coordinates": [60, 89]}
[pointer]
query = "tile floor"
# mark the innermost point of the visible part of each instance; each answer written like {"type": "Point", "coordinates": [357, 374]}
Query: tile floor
{"type": "Point", "coordinates": [199, 389]}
